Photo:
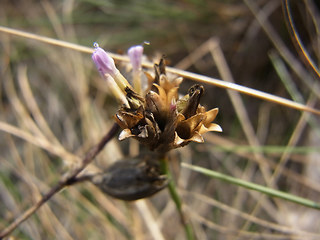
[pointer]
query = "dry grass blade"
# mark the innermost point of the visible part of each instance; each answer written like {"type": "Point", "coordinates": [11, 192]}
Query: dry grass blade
{"type": "Point", "coordinates": [283, 50]}
{"type": "Point", "coordinates": [38, 141]}
{"type": "Point", "coordinates": [54, 106]}
{"type": "Point", "coordinates": [234, 233]}
{"type": "Point", "coordinates": [33, 106]}
{"type": "Point", "coordinates": [68, 179]}
{"type": "Point", "coordinates": [149, 220]}
{"type": "Point", "coordinates": [294, 32]}
{"type": "Point", "coordinates": [239, 107]}
{"type": "Point", "coordinates": [185, 74]}
{"type": "Point", "coordinates": [236, 212]}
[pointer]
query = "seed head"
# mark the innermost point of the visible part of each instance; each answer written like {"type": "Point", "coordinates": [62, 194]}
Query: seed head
{"type": "Point", "coordinates": [157, 117]}
{"type": "Point", "coordinates": [133, 178]}
{"type": "Point", "coordinates": [162, 120]}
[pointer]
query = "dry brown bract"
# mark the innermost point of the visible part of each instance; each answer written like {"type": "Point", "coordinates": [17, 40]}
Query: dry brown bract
{"type": "Point", "coordinates": [161, 120]}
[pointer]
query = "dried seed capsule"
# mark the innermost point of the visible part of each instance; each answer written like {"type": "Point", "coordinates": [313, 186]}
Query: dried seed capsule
{"type": "Point", "coordinates": [160, 119]}
{"type": "Point", "coordinates": [193, 100]}
{"type": "Point", "coordinates": [132, 179]}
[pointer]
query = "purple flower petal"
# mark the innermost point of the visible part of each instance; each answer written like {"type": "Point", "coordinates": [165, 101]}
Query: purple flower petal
{"type": "Point", "coordinates": [135, 54]}
{"type": "Point", "coordinates": [103, 61]}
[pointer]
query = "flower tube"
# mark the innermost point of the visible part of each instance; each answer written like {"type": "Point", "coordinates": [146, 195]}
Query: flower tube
{"type": "Point", "coordinates": [135, 54]}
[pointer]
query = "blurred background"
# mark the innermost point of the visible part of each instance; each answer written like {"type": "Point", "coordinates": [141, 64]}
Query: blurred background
{"type": "Point", "coordinates": [54, 107]}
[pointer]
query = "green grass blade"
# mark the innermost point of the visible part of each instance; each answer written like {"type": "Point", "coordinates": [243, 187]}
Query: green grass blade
{"type": "Point", "coordinates": [253, 186]}
{"type": "Point", "coordinates": [176, 198]}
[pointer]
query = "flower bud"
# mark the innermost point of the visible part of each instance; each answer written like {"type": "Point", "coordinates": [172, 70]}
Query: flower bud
{"type": "Point", "coordinates": [135, 55]}
{"type": "Point", "coordinates": [106, 66]}
{"type": "Point", "coordinates": [103, 61]}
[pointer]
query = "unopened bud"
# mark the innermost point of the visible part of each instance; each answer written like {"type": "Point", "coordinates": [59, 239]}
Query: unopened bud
{"type": "Point", "coordinates": [135, 54]}
{"type": "Point", "coordinates": [106, 66]}
{"type": "Point", "coordinates": [103, 61]}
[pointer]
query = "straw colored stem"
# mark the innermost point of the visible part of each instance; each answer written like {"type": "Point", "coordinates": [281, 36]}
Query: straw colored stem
{"type": "Point", "coordinates": [185, 74]}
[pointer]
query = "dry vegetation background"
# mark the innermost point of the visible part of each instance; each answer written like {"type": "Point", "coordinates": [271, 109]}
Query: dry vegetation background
{"type": "Point", "coordinates": [54, 107]}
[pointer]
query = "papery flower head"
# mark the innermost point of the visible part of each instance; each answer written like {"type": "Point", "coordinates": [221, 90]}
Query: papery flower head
{"type": "Point", "coordinates": [157, 117]}
{"type": "Point", "coordinates": [162, 120]}
{"type": "Point", "coordinates": [154, 115]}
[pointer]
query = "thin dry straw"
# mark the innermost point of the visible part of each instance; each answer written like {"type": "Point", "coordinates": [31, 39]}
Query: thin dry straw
{"type": "Point", "coordinates": [68, 179]}
{"type": "Point", "coordinates": [185, 74]}
{"type": "Point", "coordinates": [294, 32]}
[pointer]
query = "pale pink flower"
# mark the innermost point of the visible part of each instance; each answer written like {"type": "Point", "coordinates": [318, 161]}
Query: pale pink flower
{"type": "Point", "coordinates": [135, 54]}
{"type": "Point", "coordinates": [103, 61]}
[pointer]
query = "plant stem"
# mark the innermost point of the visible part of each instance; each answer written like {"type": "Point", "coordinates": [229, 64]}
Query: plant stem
{"type": "Point", "coordinates": [176, 198]}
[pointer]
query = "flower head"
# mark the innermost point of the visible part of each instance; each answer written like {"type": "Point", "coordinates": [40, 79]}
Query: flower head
{"type": "Point", "coordinates": [162, 120]}
{"type": "Point", "coordinates": [157, 118]}
{"type": "Point", "coordinates": [154, 115]}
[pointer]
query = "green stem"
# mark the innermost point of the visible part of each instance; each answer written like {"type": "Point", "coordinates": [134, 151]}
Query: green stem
{"type": "Point", "coordinates": [253, 186]}
{"type": "Point", "coordinates": [176, 198]}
